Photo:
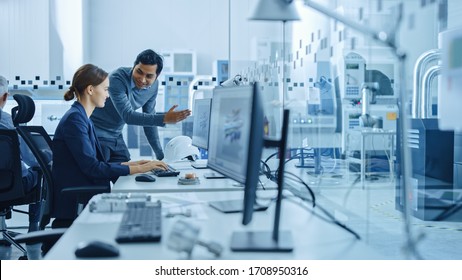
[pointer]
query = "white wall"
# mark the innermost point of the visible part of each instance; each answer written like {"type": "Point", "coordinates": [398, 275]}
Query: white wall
{"type": "Point", "coordinates": [24, 39]}
{"type": "Point", "coordinates": [118, 30]}
{"type": "Point", "coordinates": [53, 37]}
{"type": "Point", "coordinates": [66, 33]}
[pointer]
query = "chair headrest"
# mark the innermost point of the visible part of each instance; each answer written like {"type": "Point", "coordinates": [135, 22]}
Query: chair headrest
{"type": "Point", "coordinates": [25, 110]}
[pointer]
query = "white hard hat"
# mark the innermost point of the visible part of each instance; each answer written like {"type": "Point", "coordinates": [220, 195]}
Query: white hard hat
{"type": "Point", "coordinates": [179, 148]}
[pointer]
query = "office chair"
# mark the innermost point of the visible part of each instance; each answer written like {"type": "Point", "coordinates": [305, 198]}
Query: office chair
{"type": "Point", "coordinates": [39, 142]}
{"type": "Point", "coordinates": [12, 192]}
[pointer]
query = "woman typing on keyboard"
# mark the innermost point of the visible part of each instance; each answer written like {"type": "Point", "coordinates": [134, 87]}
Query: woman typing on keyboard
{"type": "Point", "coordinates": [77, 157]}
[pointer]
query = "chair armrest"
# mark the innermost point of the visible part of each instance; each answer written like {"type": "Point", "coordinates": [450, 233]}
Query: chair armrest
{"type": "Point", "coordinates": [40, 236]}
{"type": "Point", "coordinates": [36, 168]}
{"type": "Point", "coordinates": [86, 190]}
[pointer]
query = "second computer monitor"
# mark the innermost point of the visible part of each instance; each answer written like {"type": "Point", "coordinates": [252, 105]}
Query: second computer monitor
{"type": "Point", "coordinates": [236, 138]}
{"type": "Point", "coordinates": [201, 123]}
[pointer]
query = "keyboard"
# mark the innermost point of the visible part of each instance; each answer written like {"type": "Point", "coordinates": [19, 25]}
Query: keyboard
{"type": "Point", "coordinates": [170, 172]}
{"type": "Point", "coordinates": [141, 224]}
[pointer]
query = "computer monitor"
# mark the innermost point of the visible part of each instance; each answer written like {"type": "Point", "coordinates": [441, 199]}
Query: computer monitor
{"type": "Point", "coordinates": [235, 147]}
{"type": "Point", "coordinates": [201, 122]}
{"type": "Point", "coordinates": [236, 139]}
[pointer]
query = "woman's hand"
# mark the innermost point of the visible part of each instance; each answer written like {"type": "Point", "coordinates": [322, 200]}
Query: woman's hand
{"type": "Point", "coordinates": [155, 164]}
{"type": "Point", "coordinates": [145, 166]}
{"type": "Point", "coordinates": [135, 163]}
{"type": "Point", "coordinates": [140, 162]}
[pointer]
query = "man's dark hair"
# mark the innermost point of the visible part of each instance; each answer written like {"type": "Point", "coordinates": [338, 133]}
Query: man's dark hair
{"type": "Point", "coordinates": [150, 57]}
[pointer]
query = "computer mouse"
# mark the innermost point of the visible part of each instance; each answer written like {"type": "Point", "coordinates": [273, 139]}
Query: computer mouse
{"type": "Point", "coordinates": [145, 178]}
{"type": "Point", "coordinates": [96, 249]}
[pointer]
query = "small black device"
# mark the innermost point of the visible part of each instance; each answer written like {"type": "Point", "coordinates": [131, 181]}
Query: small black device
{"type": "Point", "coordinates": [214, 175]}
{"type": "Point", "coordinates": [170, 172]}
{"type": "Point", "coordinates": [141, 223]}
{"type": "Point", "coordinates": [198, 165]}
{"type": "Point", "coordinates": [145, 178]}
{"type": "Point", "coordinates": [96, 249]}
{"type": "Point", "coordinates": [234, 206]}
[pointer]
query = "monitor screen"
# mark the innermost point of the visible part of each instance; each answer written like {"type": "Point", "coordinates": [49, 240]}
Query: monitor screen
{"type": "Point", "coordinates": [201, 121]}
{"type": "Point", "coordinates": [236, 138]}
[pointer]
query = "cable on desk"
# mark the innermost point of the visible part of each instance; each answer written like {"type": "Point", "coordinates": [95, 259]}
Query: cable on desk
{"type": "Point", "coordinates": [270, 156]}
{"type": "Point", "coordinates": [267, 171]}
{"type": "Point", "coordinates": [261, 184]}
{"type": "Point", "coordinates": [313, 197]}
{"type": "Point", "coordinates": [292, 157]}
{"type": "Point", "coordinates": [331, 220]}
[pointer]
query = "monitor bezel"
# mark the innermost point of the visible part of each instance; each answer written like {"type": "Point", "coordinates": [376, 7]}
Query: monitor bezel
{"type": "Point", "coordinates": [194, 138]}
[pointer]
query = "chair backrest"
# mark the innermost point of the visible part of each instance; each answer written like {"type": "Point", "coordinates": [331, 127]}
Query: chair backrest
{"type": "Point", "coordinates": [39, 143]}
{"type": "Point", "coordinates": [11, 187]}
{"type": "Point", "coordinates": [25, 110]}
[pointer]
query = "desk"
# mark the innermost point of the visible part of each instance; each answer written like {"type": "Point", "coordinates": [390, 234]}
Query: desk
{"type": "Point", "coordinates": [313, 238]}
{"type": "Point", "coordinates": [126, 184]}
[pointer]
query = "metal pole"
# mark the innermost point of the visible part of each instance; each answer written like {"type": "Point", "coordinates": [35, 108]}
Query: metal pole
{"type": "Point", "coordinates": [284, 90]}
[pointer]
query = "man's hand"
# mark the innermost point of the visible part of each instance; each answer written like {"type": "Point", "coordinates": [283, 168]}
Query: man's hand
{"type": "Point", "coordinates": [173, 116]}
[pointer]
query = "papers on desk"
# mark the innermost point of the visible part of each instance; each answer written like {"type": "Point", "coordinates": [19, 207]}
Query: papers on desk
{"type": "Point", "coordinates": [175, 204]}
{"type": "Point", "coordinates": [182, 204]}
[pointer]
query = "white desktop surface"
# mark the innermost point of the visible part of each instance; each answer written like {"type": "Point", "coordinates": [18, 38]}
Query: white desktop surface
{"type": "Point", "coordinates": [313, 238]}
{"type": "Point", "coordinates": [126, 184]}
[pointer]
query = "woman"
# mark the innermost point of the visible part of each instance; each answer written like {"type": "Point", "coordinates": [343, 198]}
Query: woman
{"type": "Point", "coordinates": [77, 157]}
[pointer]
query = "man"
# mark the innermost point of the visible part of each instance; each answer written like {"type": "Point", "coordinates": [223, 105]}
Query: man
{"type": "Point", "coordinates": [29, 177]}
{"type": "Point", "coordinates": [129, 90]}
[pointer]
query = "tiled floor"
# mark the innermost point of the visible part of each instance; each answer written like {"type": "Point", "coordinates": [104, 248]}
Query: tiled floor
{"type": "Point", "coordinates": [18, 223]}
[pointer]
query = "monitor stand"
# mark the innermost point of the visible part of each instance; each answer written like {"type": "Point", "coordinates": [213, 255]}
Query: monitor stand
{"type": "Point", "coordinates": [234, 206]}
{"type": "Point", "coordinates": [266, 241]}
{"type": "Point", "coordinates": [261, 241]}
{"type": "Point", "coordinates": [214, 175]}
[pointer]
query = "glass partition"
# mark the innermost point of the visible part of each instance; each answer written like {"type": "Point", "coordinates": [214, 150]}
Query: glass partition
{"type": "Point", "coordinates": [351, 99]}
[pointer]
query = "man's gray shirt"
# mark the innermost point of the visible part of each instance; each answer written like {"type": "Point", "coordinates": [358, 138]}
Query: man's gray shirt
{"type": "Point", "coordinates": [120, 109]}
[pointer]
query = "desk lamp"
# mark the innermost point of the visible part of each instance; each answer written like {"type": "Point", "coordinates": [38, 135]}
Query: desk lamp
{"type": "Point", "coordinates": [277, 10]}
